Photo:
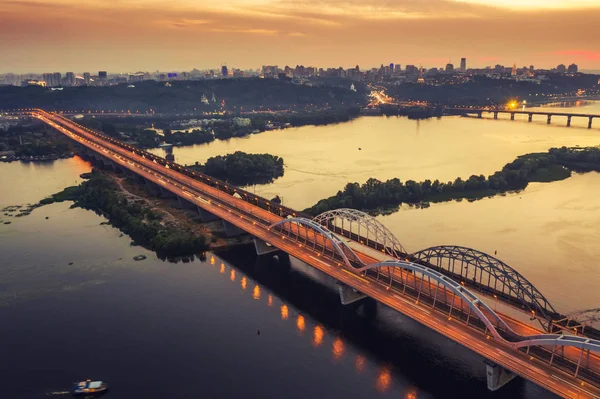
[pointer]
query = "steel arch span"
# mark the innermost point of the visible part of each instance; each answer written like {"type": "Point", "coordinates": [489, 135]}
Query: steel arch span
{"type": "Point", "coordinates": [368, 228]}
{"type": "Point", "coordinates": [579, 320]}
{"type": "Point", "coordinates": [307, 232]}
{"type": "Point", "coordinates": [487, 271]}
{"type": "Point", "coordinates": [496, 326]}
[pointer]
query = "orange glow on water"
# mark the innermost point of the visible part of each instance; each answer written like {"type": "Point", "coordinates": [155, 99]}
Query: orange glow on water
{"type": "Point", "coordinates": [318, 334]}
{"type": "Point", "coordinates": [222, 269]}
{"type": "Point", "coordinates": [384, 380]}
{"type": "Point", "coordinates": [270, 300]}
{"type": "Point", "coordinates": [359, 363]}
{"type": "Point", "coordinates": [232, 275]}
{"type": "Point", "coordinates": [300, 323]}
{"type": "Point", "coordinates": [411, 395]}
{"type": "Point", "coordinates": [284, 312]}
{"type": "Point", "coordinates": [256, 292]}
{"type": "Point", "coordinates": [244, 282]}
{"type": "Point", "coordinates": [338, 348]}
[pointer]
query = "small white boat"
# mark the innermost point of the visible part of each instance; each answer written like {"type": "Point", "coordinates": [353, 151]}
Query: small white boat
{"type": "Point", "coordinates": [89, 388]}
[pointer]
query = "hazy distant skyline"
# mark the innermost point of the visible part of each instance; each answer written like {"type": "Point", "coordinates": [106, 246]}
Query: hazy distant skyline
{"type": "Point", "coordinates": [130, 35]}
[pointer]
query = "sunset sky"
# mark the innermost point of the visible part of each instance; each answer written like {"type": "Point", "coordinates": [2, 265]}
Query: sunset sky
{"type": "Point", "coordinates": [132, 35]}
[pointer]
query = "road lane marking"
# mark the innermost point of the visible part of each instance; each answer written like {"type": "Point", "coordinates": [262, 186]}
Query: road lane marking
{"type": "Point", "coordinates": [574, 386]}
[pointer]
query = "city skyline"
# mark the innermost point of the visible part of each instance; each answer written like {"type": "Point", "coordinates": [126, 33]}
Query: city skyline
{"type": "Point", "coordinates": [141, 35]}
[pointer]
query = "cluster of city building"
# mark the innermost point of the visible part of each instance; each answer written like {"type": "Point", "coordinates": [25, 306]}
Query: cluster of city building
{"type": "Point", "coordinates": [393, 72]}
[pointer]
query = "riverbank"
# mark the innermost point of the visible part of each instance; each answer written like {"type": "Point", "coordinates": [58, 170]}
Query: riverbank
{"type": "Point", "coordinates": [379, 197]}
{"type": "Point", "coordinates": [148, 227]}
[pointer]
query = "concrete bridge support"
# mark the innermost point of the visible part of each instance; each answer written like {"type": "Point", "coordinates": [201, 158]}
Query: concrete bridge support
{"type": "Point", "coordinates": [232, 230]}
{"type": "Point", "coordinates": [530, 118]}
{"type": "Point", "coordinates": [185, 204]}
{"type": "Point", "coordinates": [480, 114]}
{"type": "Point", "coordinates": [349, 295]}
{"type": "Point", "coordinates": [590, 122]}
{"type": "Point", "coordinates": [262, 248]}
{"type": "Point", "coordinates": [512, 116]}
{"type": "Point", "coordinates": [549, 119]}
{"type": "Point", "coordinates": [206, 216]}
{"type": "Point", "coordinates": [166, 193]}
{"type": "Point", "coordinates": [569, 121]}
{"type": "Point", "coordinates": [152, 188]}
{"type": "Point", "coordinates": [496, 115]}
{"type": "Point", "coordinates": [497, 376]}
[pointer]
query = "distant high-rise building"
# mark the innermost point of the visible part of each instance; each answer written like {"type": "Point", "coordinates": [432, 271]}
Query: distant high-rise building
{"type": "Point", "coordinates": [449, 68]}
{"type": "Point", "coordinates": [412, 70]}
{"type": "Point", "coordinates": [270, 71]}
{"type": "Point", "coordinates": [224, 71]}
{"type": "Point", "coordinates": [70, 79]}
{"type": "Point", "coordinates": [391, 68]}
{"type": "Point", "coordinates": [573, 68]}
{"type": "Point", "coordinates": [499, 69]}
{"type": "Point", "coordinates": [86, 78]}
{"type": "Point", "coordinates": [531, 68]}
{"type": "Point", "coordinates": [56, 79]}
{"type": "Point", "coordinates": [397, 68]}
{"type": "Point", "coordinates": [561, 68]}
{"type": "Point", "coordinates": [463, 64]}
{"type": "Point", "coordinates": [514, 70]}
{"type": "Point", "coordinates": [102, 77]}
{"type": "Point", "coordinates": [47, 77]}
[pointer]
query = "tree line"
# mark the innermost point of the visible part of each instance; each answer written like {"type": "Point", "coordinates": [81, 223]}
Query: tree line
{"type": "Point", "coordinates": [376, 196]}
{"type": "Point", "coordinates": [243, 169]}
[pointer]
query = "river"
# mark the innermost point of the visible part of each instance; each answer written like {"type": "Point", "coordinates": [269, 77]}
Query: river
{"type": "Point", "coordinates": [75, 305]}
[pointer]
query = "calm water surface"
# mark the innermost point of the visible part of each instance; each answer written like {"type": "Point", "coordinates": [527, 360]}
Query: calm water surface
{"type": "Point", "coordinates": [158, 330]}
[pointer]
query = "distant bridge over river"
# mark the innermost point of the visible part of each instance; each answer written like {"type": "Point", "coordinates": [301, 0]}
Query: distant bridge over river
{"type": "Point", "coordinates": [530, 114]}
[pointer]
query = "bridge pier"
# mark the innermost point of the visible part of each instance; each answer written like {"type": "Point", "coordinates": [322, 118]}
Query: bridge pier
{"type": "Point", "coordinates": [206, 216]}
{"type": "Point", "coordinates": [166, 193]}
{"type": "Point", "coordinates": [530, 118]}
{"type": "Point", "coordinates": [263, 248]}
{"type": "Point", "coordinates": [497, 376]}
{"type": "Point", "coordinates": [495, 114]}
{"type": "Point", "coordinates": [185, 204]}
{"type": "Point", "coordinates": [480, 114]}
{"type": "Point", "coordinates": [108, 164]}
{"type": "Point", "coordinates": [153, 188]}
{"type": "Point", "coordinates": [549, 119]}
{"type": "Point", "coordinates": [569, 121]}
{"type": "Point", "coordinates": [349, 295]}
{"type": "Point", "coordinates": [590, 122]}
{"type": "Point", "coordinates": [232, 230]}
{"type": "Point", "coordinates": [512, 116]}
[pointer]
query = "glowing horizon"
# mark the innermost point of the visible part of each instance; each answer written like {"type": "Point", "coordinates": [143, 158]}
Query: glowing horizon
{"type": "Point", "coordinates": [88, 35]}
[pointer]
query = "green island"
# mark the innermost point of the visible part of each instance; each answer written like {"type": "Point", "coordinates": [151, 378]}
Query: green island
{"type": "Point", "coordinates": [379, 197]}
{"type": "Point", "coordinates": [146, 227]}
{"type": "Point", "coordinates": [243, 169]}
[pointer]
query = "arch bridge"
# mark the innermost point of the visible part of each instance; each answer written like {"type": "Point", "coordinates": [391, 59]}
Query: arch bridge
{"type": "Point", "coordinates": [490, 275]}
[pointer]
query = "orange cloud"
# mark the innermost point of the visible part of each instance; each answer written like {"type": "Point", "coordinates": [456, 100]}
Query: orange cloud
{"type": "Point", "coordinates": [65, 35]}
{"type": "Point", "coordinates": [580, 54]}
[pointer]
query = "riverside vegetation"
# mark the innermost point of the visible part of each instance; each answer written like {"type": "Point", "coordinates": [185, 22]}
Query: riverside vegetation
{"type": "Point", "coordinates": [101, 195]}
{"type": "Point", "coordinates": [243, 169]}
{"type": "Point", "coordinates": [379, 197]}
